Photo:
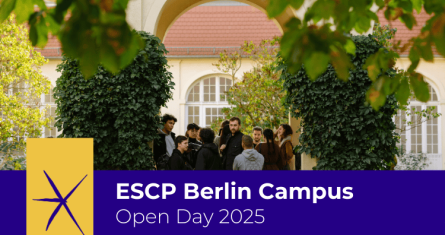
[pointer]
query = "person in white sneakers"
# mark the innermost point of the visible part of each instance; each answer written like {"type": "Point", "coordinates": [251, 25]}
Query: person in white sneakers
{"type": "Point", "coordinates": [249, 159]}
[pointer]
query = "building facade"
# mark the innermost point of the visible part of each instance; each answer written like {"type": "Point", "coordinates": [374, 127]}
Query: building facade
{"type": "Point", "coordinates": [195, 31]}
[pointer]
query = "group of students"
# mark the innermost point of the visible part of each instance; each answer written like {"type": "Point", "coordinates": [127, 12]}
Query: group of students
{"type": "Point", "coordinates": [199, 149]}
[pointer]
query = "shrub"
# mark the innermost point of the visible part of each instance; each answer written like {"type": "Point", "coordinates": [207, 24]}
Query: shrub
{"type": "Point", "coordinates": [22, 114]}
{"type": "Point", "coordinates": [339, 128]}
{"type": "Point", "coordinates": [120, 111]}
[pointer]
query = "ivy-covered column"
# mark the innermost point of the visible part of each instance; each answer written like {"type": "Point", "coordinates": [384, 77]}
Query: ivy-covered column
{"type": "Point", "coordinates": [340, 129]}
{"type": "Point", "coordinates": [120, 111]}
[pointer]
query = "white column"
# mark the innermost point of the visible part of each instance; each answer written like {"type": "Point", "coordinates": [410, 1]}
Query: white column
{"type": "Point", "coordinates": [134, 14]}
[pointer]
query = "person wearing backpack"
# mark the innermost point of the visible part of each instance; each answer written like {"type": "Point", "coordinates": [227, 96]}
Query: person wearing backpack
{"type": "Point", "coordinates": [270, 150]}
{"type": "Point", "coordinates": [179, 161]}
{"type": "Point", "coordinates": [208, 155]}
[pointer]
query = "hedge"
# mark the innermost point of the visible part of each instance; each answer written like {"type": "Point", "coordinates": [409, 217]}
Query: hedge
{"type": "Point", "coordinates": [339, 127]}
{"type": "Point", "coordinates": [120, 111]}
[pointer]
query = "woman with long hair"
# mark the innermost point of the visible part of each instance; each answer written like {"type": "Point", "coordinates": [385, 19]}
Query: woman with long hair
{"type": "Point", "coordinates": [285, 134]}
{"type": "Point", "coordinates": [270, 150]}
{"type": "Point", "coordinates": [217, 140]}
{"type": "Point", "coordinates": [224, 134]}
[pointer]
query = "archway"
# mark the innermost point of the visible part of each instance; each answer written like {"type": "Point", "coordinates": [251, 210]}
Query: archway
{"type": "Point", "coordinates": [164, 13]}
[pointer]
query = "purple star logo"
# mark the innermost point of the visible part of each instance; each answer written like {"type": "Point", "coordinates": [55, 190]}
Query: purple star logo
{"type": "Point", "coordinates": [61, 200]}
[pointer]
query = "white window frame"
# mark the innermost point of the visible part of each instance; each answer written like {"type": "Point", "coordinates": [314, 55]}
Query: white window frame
{"type": "Point", "coordinates": [205, 104]}
{"type": "Point", "coordinates": [431, 156]}
{"type": "Point", "coordinates": [52, 105]}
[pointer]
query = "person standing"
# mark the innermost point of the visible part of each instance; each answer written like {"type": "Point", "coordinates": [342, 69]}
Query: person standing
{"type": "Point", "coordinates": [270, 150]}
{"type": "Point", "coordinates": [232, 147]}
{"type": "Point", "coordinates": [285, 133]}
{"type": "Point", "coordinates": [217, 140]}
{"type": "Point", "coordinates": [224, 136]}
{"type": "Point", "coordinates": [257, 134]}
{"type": "Point", "coordinates": [178, 161]}
{"type": "Point", "coordinates": [194, 144]}
{"type": "Point", "coordinates": [208, 155]}
{"type": "Point", "coordinates": [165, 144]}
{"type": "Point", "coordinates": [249, 159]}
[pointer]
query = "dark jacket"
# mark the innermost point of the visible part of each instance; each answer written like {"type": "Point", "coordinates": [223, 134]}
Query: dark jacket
{"type": "Point", "coordinates": [208, 158]}
{"type": "Point", "coordinates": [159, 146]}
{"type": "Point", "coordinates": [271, 157]}
{"type": "Point", "coordinates": [233, 149]}
{"type": "Point", "coordinates": [178, 161]}
{"type": "Point", "coordinates": [192, 155]}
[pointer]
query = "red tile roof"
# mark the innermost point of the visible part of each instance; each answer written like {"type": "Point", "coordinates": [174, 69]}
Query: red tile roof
{"type": "Point", "coordinates": [52, 48]}
{"type": "Point", "coordinates": [230, 26]}
{"type": "Point", "coordinates": [403, 33]}
{"type": "Point", "coordinates": [220, 26]}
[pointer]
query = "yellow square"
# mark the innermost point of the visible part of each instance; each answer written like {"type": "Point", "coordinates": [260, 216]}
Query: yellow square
{"type": "Point", "coordinates": [67, 162]}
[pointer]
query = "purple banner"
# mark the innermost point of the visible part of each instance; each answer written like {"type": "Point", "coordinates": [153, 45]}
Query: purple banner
{"type": "Point", "coordinates": [366, 202]}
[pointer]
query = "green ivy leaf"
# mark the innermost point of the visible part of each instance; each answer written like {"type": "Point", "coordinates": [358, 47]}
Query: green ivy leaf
{"type": "Point", "coordinates": [276, 7]}
{"type": "Point", "coordinates": [61, 7]}
{"type": "Point", "coordinates": [403, 92]}
{"type": "Point", "coordinates": [376, 98]}
{"type": "Point", "coordinates": [417, 4]}
{"type": "Point", "coordinates": [438, 33]}
{"type": "Point", "coordinates": [53, 26]}
{"type": "Point", "coordinates": [350, 47]}
{"type": "Point", "coordinates": [38, 32]}
{"type": "Point", "coordinates": [296, 4]}
{"type": "Point", "coordinates": [23, 9]}
{"type": "Point", "coordinates": [372, 66]}
{"type": "Point", "coordinates": [90, 58]}
{"type": "Point", "coordinates": [316, 64]}
{"type": "Point", "coordinates": [6, 7]}
{"type": "Point", "coordinates": [408, 19]}
{"type": "Point", "coordinates": [341, 62]}
{"type": "Point", "coordinates": [420, 87]}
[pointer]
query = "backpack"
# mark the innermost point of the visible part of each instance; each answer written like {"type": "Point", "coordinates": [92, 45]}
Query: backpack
{"type": "Point", "coordinates": [163, 162]}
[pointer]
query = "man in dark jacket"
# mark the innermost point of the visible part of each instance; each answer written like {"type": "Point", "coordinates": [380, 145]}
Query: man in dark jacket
{"type": "Point", "coordinates": [179, 161]}
{"type": "Point", "coordinates": [166, 143]}
{"type": "Point", "coordinates": [194, 144]}
{"type": "Point", "coordinates": [233, 147]}
{"type": "Point", "coordinates": [208, 155]}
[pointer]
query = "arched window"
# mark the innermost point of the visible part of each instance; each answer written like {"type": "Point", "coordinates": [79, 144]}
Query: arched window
{"type": "Point", "coordinates": [48, 99]}
{"type": "Point", "coordinates": [423, 135]}
{"type": "Point", "coordinates": [205, 100]}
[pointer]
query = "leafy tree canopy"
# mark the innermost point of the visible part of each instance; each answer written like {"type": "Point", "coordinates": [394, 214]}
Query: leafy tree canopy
{"type": "Point", "coordinates": [97, 32]}
{"type": "Point", "coordinates": [21, 86]}
{"type": "Point", "coordinates": [257, 98]}
{"type": "Point", "coordinates": [320, 38]}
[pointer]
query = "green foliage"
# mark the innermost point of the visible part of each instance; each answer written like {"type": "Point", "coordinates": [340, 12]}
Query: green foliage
{"type": "Point", "coordinates": [120, 111]}
{"type": "Point", "coordinates": [313, 41]}
{"type": "Point", "coordinates": [12, 156]}
{"type": "Point", "coordinates": [411, 161]}
{"type": "Point", "coordinates": [339, 128]}
{"type": "Point", "coordinates": [95, 32]}
{"type": "Point", "coordinates": [257, 98]}
{"type": "Point", "coordinates": [22, 114]}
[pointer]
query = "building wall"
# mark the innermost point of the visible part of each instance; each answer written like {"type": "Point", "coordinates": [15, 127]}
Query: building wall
{"type": "Point", "coordinates": [49, 70]}
{"type": "Point", "coordinates": [435, 76]}
{"type": "Point", "coordinates": [187, 71]}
